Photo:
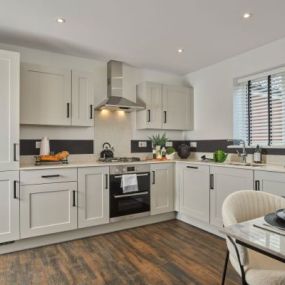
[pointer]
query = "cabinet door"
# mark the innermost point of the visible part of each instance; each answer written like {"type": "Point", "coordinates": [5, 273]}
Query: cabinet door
{"type": "Point", "coordinates": [48, 208]}
{"type": "Point", "coordinates": [162, 188]}
{"type": "Point", "coordinates": [271, 182]}
{"type": "Point", "coordinates": [194, 192]}
{"type": "Point", "coordinates": [9, 110]}
{"type": "Point", "coordinates": [177, 108]}
{"type": "Point", "coordinates": [9, 206]}
{"type": "Point", "coordinates": [82, 99]}
{"type": "Point", "coordinates": [224, 182]}
{"type": "Point", "coordinates": [45, 95]}
{"type": "Point", "coordinates": [93, 199]}
{"type": "Point", "coordinates": [150, 94]}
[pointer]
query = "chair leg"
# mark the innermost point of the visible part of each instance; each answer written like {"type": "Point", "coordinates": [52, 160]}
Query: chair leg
{"type": "Point", "coordinates": [225, 268]}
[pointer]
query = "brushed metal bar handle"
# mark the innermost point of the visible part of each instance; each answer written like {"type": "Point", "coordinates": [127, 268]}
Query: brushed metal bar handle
{"type": "Point", "coordinates": [148, 116]}
{"type": "Point", "coordinates": [15, 151]}
{"type": "Point", "coordinates": [153, 177]}
{"type": "Point", "coordinates": [91, 111]}
{"type": "Point", "coordinates": [165, 117]}
{"type": "Point", "coordinates": [257, 185]}
{"type": "Point", "coordinates": [106, 181]}
{"type": "Point", "coordinates": [73, 199]}
{"type": "Point", "coordinates": [131, 195]}
{"type": "Point", "coordinates": [51, 176]}
{"type": "Point", "coordinates": [192, 167]}
{"type": "Point", "coordinates": [67, 110]}
{"type": "Point", "coordinates": [139, 175]}
{"type": "Point", "coordinates": [15, 189]}
{"type": "Point", "coordinates": [212, 181]}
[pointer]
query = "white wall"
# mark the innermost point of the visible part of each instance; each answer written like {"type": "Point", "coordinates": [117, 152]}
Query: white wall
{"type": "Point", "coordinates": [115, 128]}
{"type": "Point", "coordinates": [213, 89]}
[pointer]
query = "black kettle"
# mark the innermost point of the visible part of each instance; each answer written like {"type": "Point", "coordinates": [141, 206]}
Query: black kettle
{"type": "Point", "coordinates": [107, 151]}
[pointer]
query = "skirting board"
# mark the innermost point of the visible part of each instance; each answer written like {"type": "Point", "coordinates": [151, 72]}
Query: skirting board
{"type": "Point", "coordinates": [201, 225]}
{"type": "Point", "coordinates": [84, 232]}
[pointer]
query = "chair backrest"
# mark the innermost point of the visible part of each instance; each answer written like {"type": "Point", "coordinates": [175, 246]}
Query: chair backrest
{"type": "Point", "coordinates": [246, 205]}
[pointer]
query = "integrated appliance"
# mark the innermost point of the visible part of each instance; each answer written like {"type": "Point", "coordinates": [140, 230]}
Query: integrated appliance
{"type": "Point", "coordinates": [115, 93]}
{"type": "Point", "coordinates": [132, 204]}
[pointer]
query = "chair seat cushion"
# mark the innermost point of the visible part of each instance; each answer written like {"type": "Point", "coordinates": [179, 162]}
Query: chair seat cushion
{"type": "Point", "coordinates": [265, 277]}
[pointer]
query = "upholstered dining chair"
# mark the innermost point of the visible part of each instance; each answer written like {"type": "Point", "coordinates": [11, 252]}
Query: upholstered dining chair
{"type": "Point", "coordinates": [253, 267]}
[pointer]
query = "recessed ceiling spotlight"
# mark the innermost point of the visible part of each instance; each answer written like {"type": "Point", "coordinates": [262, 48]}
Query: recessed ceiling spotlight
{"type": "Point", "coordinates": [180, 50]}
{"type": "Point", "coordinates": [60, 20]}
{"type": "Point", "coordinates": [247, 15]}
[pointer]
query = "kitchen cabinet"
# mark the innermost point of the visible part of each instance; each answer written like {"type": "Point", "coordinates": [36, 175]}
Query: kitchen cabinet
{"type": "Point", "coordinates": [224, 181]}
{"type": "Point", "coordinates": [82, 99]}
{"type": "Point", "coordinates": [167, 107]}
{"type": "Point", "coordinates": [45, 95]}
{"type": "Point", "coordinates": [93, 196]}
{"type": "Point", "coordinates": [9, 206]}
{"type": "Point", "coordinates": [194, 191]}
{"type": "Point", "coordinates": [177, 102]}
{"type": "Point", "coordinates": [9, 110]}
{"type": "Point", "coordinates": [48, 208]}
{"type": "Point", "coordinates": [150, 94]}
{"type": "Point", "coordinates": [162, 188]}
{"type": "Point", "coordinates": [271, 182]}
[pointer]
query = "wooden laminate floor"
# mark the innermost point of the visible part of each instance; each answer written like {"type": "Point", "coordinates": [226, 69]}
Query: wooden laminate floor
{"type": "Point", "coordinates": [165, 253]}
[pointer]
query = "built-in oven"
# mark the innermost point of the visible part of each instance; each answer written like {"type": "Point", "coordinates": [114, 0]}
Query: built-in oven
{"type": "Point", "coordinates": [131, 204]}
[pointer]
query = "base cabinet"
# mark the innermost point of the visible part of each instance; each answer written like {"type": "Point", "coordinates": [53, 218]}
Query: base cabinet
{"type": "Point", "coordinates": [224, 182]}
{"type": "Point", "coordinates": [93, 196]}
{"type": "Point", "coordinates": [9, 206]}
{"type": "Point", "coordinates": [48, 208]}
{"type": "Point", "coordinates": [271, 182]}
{"type": "Point", "coordinates": [194, 191]}
{"type": "Point", "coordinates": [162, 188]}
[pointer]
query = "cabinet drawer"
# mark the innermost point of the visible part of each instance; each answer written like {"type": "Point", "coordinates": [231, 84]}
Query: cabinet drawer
{"type": "Point", "coordinates": [48, 176]}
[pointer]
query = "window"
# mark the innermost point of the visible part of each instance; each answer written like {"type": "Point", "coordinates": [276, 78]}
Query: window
{"type": "Point", "coordinates": [259, 109]}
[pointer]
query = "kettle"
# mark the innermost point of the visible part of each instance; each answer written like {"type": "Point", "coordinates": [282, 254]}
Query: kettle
{"type": "Point", "coordinates": [220, 156]}
{"type": "Point", "coordinates": [107, 151]}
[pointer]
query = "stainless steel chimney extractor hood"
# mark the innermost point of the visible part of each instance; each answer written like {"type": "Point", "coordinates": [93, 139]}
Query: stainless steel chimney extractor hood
{"type": "Point", "coordinates": [115, 99]}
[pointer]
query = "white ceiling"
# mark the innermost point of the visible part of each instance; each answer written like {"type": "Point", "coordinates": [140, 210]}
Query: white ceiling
{"type": "Point", "coordinates": [144, 33]}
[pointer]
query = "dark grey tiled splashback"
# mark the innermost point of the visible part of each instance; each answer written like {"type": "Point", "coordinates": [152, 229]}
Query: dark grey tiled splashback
{"type": "Point", "coordinates": [205, 146]}
{"type": "Point", "coordinates": [28, 147]}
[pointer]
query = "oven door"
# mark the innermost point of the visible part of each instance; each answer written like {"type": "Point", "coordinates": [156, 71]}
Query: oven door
{"type": "Point", "coordinates": [126, 204]}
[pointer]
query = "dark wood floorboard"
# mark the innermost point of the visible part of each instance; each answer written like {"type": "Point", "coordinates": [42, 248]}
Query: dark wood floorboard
{"type": "Point", "coordinates": [168, 253]}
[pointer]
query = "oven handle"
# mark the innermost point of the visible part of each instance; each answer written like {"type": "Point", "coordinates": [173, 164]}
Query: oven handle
{"type": "Point", "coordinates": [139, 175]}
{"type": "Point", "coordinates": [131, 195]}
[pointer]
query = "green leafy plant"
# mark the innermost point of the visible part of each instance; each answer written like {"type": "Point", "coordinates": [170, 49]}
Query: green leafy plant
{"type": "Point", "coordinates": [158, 140]}
{"type": "Point", "coordinates": [170, 150]}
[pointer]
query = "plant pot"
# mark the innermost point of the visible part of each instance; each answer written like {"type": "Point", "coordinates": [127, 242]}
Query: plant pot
{"type": "Point", "coordinates": [171, 156]}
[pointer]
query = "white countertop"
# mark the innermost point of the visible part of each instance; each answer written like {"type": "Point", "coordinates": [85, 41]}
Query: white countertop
{"type": "Point", "coordinates": [78, 164]}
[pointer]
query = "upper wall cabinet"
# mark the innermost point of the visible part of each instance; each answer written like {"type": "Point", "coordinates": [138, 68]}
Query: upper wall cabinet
{"type": "Point", "coordinates": [55, 96]}
{"type": "Point", "coordinates": [82, 99]}
{"type": "Point", "coordinates": [167, 107]}
{"type": "Point", "coordinates": [9, 110]}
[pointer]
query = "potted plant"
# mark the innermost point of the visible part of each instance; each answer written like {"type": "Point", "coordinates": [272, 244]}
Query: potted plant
{"type": "Point", "coordinates": [158, 141]}
{"type": "Point", "coordinates": [170, 153]}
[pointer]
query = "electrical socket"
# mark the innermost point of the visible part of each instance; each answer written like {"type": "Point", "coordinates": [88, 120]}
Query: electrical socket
{"type": "Point", "coordinates": [38, 144]}
{"type": "Point", "coordinates": [142, 144]}
{"type": "Point", "coordinates": [169, 144]}
{"type": "Point", "coordinates": [193, 144]}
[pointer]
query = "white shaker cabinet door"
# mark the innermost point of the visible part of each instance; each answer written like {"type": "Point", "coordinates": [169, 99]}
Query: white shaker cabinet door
{"type": "Point", "coordinates": [226, 180]}
{"type": "Point", "coordinates": [45, 95]}
{"type": "Point", "coordinates": [271, 182]}
{"type": "Point", "coordinates": [9, 206]}
{"type": "Point", "coordinates": [9, 110]}
{"type": "Point", "coordinates": [194, 191]}
{"type": "Point", "coordinates": [82, 99]}
{"type": "Point", "coordinates": [93, 196]}
{"type": "Point", "coordinates": [48, 208]}
{"type": "Point", "coordinates": [162, 188]}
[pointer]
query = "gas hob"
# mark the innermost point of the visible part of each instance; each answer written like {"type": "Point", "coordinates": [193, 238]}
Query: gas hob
{"type": "Point", "coordinates": [120, 159]}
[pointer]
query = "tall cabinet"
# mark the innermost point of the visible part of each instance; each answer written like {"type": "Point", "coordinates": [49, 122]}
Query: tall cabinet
{"type": "Point", "coordinates": [9, 145]}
